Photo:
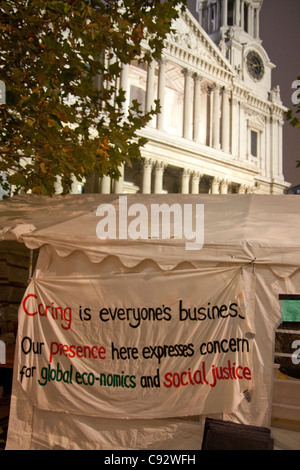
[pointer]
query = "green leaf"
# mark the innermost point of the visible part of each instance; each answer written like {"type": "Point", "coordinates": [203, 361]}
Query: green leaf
{"type": "Point", "coordinates": [43, 68]}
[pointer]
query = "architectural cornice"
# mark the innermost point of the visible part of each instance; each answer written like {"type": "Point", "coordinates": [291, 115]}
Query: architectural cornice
{"type": "Point", "coordinates": [194, 153]}
{"type": "Point", "coordinates": [240, 92]}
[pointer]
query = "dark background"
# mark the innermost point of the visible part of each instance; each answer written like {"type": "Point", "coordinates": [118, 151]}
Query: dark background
{"type": "Point", "coordinates": [280, 34]}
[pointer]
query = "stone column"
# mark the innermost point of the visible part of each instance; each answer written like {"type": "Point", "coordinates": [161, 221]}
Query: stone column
{"type": "Point", "coordinates": [209, 117]}
{"type": "Point", "coordinates": [274, 147]}
{"type": "Point", "coordinates": [242, 139]}
{"type": "Point", "coordinates": [250, 19]}
{"type": "Point", "coordinates": [225, 121]}
{"type": "Point", "coordinates": [280, 162]}
{"type": "Point", "coordinates": [218, 16]}
{"type": "Point", "coordinates": [161, 92]}
{"type": "Point", "coordinates": [187, 104]}
{"type": "Point", "coordinates": [268, 147]}
{"type": "Point", "coordinates": [215, 186]}
{"type": "Point", "coordinates": [147, 170]}
{"type": "Point", "coordinates": [224, 12]}
{"type": "Point", "coordinates": [185, 181]}
{"type": "Point", "coordinates": [262, 150]}
{"type": "Point", "coordinates": [224, 187]}
{"type": "Point", "coordinates": [242, 189]}
{"type": "Point", "coordinates": [257, 23]}
{"type": "Point", "coordinates": [159, 173]}
{"type": "Point", "coordinates": [105, 184]}
{"type": "Point", "coordinates": [58, 186]}
{"type": "Point", "coordinates": [118, 184]}
{"type": "Point", "coordinates": [237, 12]}
{"type": "Point", "coordinates": [195, 182]}
{"type": "Point", "coordinates": [150, 90]}
{"type": "Point", "coordinates": [196, 115]}
{"type": "Point", "coordinates": [76, 187]}
{"type": "Point", "coordinates": [242, 14]}
{"type": "Point", "coordinates": [200, 14]}
{"type": "Point", "coordinates": [234, 126]}
{"type": "Point", "coordinates": [209, 19]}
{"type": "Point", "coordinates": [216, 117]}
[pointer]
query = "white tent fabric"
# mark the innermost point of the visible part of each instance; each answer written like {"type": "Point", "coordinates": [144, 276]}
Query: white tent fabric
{"type": "Point", "coordinates": [237, 229]}
{"type": "Point", "coordinates": [251, 255]}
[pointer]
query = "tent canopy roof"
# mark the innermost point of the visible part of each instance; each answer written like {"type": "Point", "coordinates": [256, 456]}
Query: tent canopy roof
{"type": "Point", "coordinates": [237, 228]}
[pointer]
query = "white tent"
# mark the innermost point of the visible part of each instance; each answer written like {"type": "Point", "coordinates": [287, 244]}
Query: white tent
{"type": "Point", "coordinates": [129, 343]}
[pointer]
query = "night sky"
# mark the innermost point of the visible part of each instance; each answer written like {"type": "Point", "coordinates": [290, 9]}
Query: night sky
{"type": "Point", "coordinates": [280, 33]}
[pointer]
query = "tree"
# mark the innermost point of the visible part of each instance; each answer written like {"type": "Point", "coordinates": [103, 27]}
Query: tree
{"type": "Point", "coordinates": [56, 123]}
{"type": "Point", "coordinates": [292, 114]}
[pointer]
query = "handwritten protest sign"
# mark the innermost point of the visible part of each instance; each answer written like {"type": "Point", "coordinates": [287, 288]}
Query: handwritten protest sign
{"type": "Point", "coordinates": [146, 345]}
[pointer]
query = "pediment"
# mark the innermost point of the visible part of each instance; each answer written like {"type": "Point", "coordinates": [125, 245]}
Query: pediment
{"type": "Point", "coordinates": [189, 36]}
{"type": "Point", "coordinates": [256, 122]}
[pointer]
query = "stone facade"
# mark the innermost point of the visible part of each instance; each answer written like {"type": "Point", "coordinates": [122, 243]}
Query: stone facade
{"type": "Point", "coordinates": [220, 126]}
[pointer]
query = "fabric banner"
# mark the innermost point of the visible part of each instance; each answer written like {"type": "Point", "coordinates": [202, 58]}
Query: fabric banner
{"type": "Point", "coordinates": [136, 345]}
